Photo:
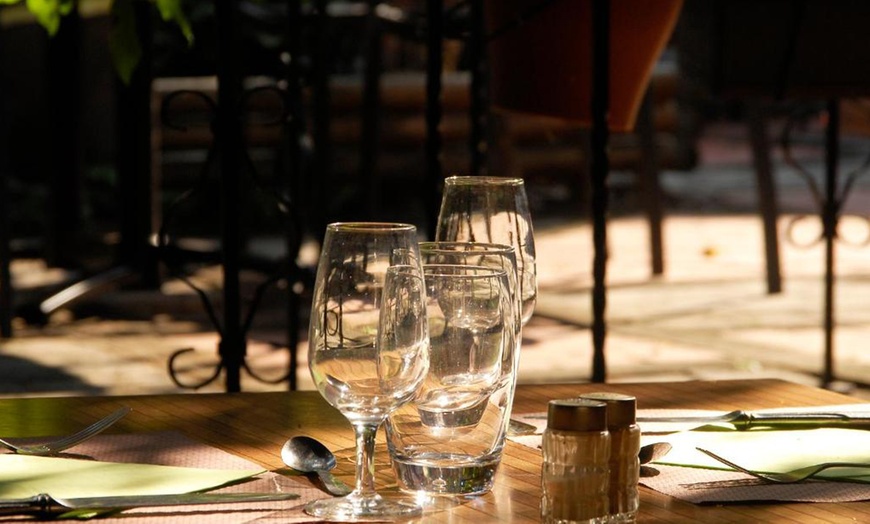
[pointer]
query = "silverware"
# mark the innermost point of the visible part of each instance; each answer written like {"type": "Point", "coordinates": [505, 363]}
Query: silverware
{"type": "Point", "coordinates": [309, 455]}
{"type": "Point", "coordinates": [64, 443]}
{"type": "Point", "coordinates": [44, 505]}
{"type": "Point", "coordinates": [653, 452]}
{"type": "Point", "coordinates": [518, 428]}
{"type": "Point", "coordinates": [730, 483]}
{"type": "Point", "coordinates": [742, 419]}
{"type": "Point", "coordinates": [787, 477]}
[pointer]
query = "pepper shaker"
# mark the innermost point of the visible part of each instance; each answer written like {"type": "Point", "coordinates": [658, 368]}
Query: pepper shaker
{"type": "Point", "coordinates": [624, 448]}
{"type": "Point", "coordinates": [575, 475]}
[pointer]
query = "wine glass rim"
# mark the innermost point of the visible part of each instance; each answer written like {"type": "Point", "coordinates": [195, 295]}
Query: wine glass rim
{"type": "Point", "coordinates": [404, 268]}
{"type": "Point", "coordinates": [371, 226]}
{"type": "Point", "coordinates": [443, 246]}
{"type": "Point", "coordinates": [494, 180]}
{"type": "Point", "coordinates": [462, 271]}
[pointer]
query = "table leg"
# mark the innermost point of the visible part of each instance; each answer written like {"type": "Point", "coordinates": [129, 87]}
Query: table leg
{"type": "Point", "coordinates": [830, 216]}
{"type": "Point", "coordinates": [599, 168]}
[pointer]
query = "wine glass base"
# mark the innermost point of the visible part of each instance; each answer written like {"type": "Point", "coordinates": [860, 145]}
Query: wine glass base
{"type": "Point", "coordinates": [354, 507]}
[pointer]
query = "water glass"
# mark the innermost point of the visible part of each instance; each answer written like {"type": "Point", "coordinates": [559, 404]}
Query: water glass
{"type": "Point", "coordinates": [449, 439]}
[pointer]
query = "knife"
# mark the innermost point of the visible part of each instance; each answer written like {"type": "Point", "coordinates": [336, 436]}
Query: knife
{"type": "Point", "coordinates": [44, 505]}
{"type": "Point", "coordinates": [747, 419]}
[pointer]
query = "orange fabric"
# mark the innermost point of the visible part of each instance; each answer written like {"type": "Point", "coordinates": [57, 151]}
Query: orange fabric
{"type": "Point", "coordinates": [545, 65]}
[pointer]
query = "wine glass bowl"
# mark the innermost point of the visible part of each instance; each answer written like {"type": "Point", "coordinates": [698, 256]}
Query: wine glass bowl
{"type": "Point", "coordinates": [403, 355]}
{"type": "Point", "coordinates": [492, 210]}
{"type": "Point", "coordinates": [368, 345]}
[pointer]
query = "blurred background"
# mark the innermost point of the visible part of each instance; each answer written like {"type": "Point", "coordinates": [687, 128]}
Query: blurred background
{"type": "Point", "coordinates": [125, 174]}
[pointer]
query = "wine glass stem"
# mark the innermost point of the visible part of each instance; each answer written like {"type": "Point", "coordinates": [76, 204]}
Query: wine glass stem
{"type": "Point", "coordinates": [365, 458]}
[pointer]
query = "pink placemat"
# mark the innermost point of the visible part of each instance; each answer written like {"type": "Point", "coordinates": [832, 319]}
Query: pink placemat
{"type": "Point", "coordinates": [702, 486]}
{"type": "Point", "coordinates": [174, 449]}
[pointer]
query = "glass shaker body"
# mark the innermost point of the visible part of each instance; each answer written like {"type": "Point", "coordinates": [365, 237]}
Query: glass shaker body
{"type": "Point", "coordinates": [575, 475]}
{"type": "Point", "coordinates": [624, 464]}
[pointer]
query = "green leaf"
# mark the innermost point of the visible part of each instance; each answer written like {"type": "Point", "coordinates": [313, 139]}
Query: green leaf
{"type": "Point", "coordinates": [124, 46]}
{"type": "Point", "coordinates": [10, 2]}
{"type": "Point", "coordinates": [170, 10]}
{"type": "Point", "coordinates": [47, 13]}
{"type": "Point", "coordinates": [66, 7]}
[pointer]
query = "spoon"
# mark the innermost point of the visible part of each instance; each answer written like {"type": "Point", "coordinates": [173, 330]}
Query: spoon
{"type": "Point", "coordinates": [653, 452]}
{"type": "Point", "coordinates": [308, 455]}
{"type": "Point", "coordinates": [518, 428]}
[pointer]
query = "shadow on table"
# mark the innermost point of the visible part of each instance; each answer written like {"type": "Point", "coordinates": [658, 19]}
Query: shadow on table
{"type": "Point", "coordinates": [19, 375]}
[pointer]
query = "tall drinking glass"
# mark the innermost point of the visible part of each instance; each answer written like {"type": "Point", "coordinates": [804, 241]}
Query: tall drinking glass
{"type": "Point", "coordinates": [368, 345]}
{"type": "Point", "coordinates": [449, 440]}
{"type": "Point", "coordinates": [492, 210]}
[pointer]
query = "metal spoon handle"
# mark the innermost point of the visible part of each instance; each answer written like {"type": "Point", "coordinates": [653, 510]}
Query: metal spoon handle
{"type": "Point", "coordinates": [333, 485]}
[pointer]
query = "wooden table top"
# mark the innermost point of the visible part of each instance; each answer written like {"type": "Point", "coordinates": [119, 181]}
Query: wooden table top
{"type": "Point", "coordinates": [255, 425]}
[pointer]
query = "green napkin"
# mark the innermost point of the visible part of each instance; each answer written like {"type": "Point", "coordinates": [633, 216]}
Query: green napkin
{"type": "Point", "coordinates": [24, 476]}
{"type": "Point", "coordinates": [771, 450]}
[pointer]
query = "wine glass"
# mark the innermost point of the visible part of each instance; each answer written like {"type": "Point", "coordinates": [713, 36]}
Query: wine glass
{"type": "Point", "coordinates": [368, 345]}
{"type": "Point", "coordinates": [492, 210]}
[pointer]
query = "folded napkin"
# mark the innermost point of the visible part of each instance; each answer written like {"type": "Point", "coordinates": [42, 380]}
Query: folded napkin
{"type": "Point", "coordinates": [772, 450]}
{"type": "Point", "coordinates": [690, 475]}
{"type": "Point", "coordinates": [179, 453]}
{"type": "Point", "coordinates": [24, 476]}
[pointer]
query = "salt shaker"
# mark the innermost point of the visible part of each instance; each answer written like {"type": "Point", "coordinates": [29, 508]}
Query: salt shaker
{"type": "Point", "coordinates": [624, 448]}
{"type": "Point", "coordinates": [574, 476]}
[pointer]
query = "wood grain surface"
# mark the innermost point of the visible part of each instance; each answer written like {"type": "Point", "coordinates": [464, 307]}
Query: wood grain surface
{"type": "Point", "coordinates": [255, 425]}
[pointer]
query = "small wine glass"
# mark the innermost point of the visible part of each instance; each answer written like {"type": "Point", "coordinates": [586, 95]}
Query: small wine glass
{"type": "Point", "coordinates": [368, 345]}
{"type": "Point", "coordinates": [492, 210]}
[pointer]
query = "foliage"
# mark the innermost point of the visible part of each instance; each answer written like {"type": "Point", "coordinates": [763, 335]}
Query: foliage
{"type": "Point", "coordinates": [123, 38]}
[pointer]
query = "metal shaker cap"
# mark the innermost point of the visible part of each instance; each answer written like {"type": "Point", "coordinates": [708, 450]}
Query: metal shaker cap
{"type": "Point", "coordinates": [577, 414]}
{"type": "Point", "coordinates": [621, 409]}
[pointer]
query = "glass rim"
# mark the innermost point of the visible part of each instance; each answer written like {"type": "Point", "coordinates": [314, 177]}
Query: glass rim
{"type": "Point", "coordinates": [371, 226]}
{"type": "Point", "coordinates": [405, 268]}
{"type": "Point", "coordinates": [492, 180]}
{"type": "Point", "coordinates": [485, 247]}
{"type": "Point", "coordinates": [484, 271]}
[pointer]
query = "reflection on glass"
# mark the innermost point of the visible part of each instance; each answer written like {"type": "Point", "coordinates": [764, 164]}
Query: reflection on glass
{"type": "Point", "coordinates": [368, 345]}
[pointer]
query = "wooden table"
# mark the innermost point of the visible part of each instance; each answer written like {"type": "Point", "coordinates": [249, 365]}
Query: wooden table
{"type": "Point", "coordinates": [255, 425]}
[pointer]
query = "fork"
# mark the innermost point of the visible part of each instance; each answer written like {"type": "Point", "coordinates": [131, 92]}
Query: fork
{"type": "Point", "coordinates": [787, 477]}
{"type": "Point", "coordinates": [56, 446]}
